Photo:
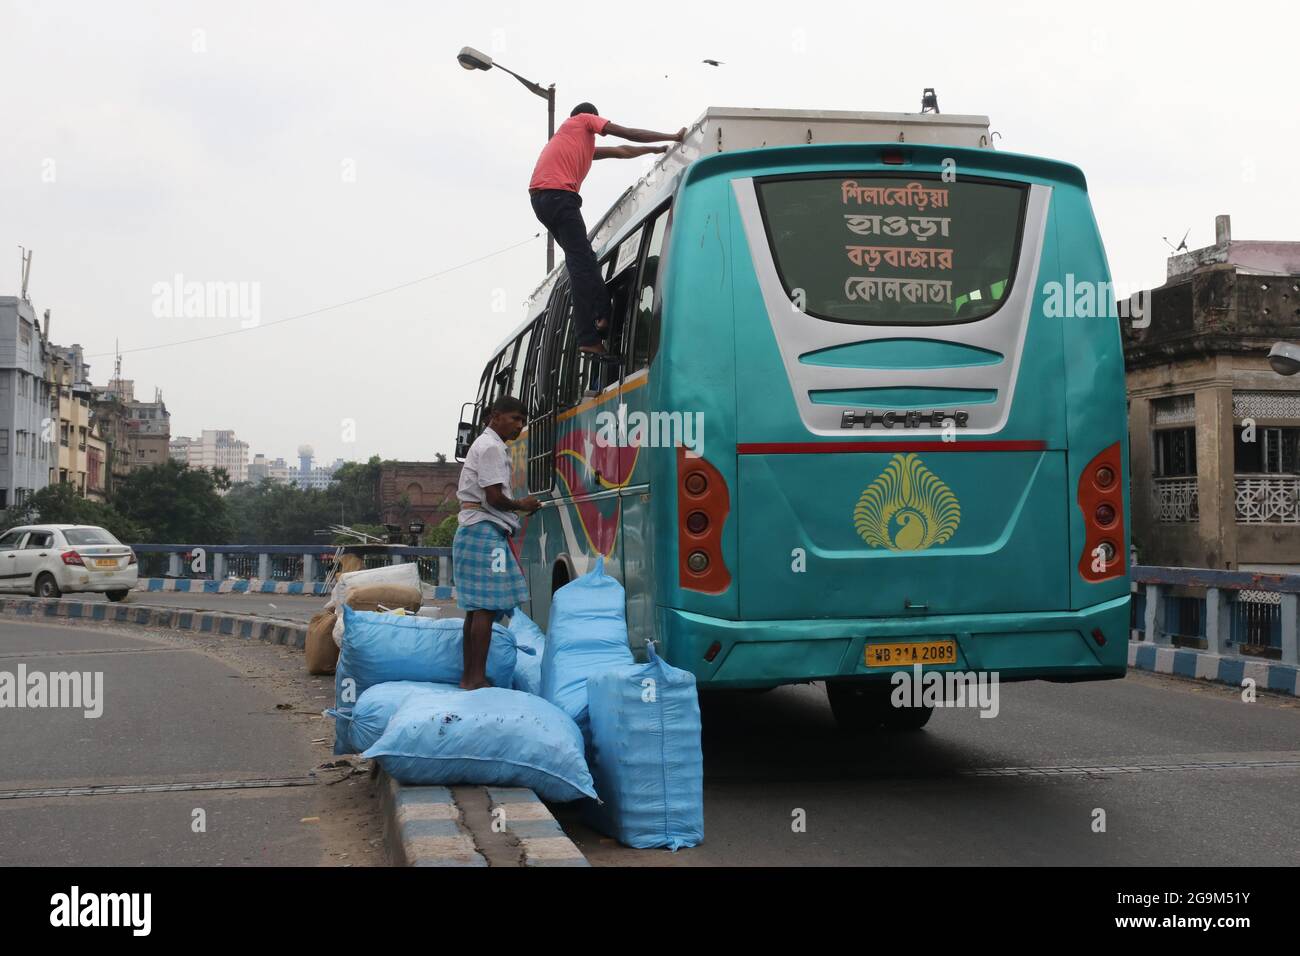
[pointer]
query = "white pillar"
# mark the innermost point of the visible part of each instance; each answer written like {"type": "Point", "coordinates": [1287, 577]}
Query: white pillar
{"type": "Point", "coordinates": [1155, 616]}
{"type": "Point", "coordinates": [308, 568]}
{"type": "Point", "coordinates": [264, 566]}
{"type": "Point", "coordinates": [218, 566]}
{"type": "Point", "coordinates": [174, 564]}
{"type": "Point", "coordinates": [1218, 620]}
{"type": "Point", "coordinates": [444, 571]}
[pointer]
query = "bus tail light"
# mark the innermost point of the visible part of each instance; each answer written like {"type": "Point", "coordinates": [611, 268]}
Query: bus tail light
{"type": "Point", "coordinates": [702, 506]}
{"type": "Point", "coordinates": [1101, 498]}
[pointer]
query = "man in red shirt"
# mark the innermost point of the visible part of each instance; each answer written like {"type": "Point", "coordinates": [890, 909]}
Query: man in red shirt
{"type": "Point", "coordinates": [560, 170]}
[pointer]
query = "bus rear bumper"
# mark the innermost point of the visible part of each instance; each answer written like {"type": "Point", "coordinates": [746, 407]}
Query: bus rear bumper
{"type": "Point", "coordinates": [1051, 645]}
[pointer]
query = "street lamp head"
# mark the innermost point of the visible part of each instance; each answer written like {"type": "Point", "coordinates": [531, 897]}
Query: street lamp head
{"type": "Point", "coordinates": [1285, 358]}
{"type": "Point", "coordinates": [472, 59]}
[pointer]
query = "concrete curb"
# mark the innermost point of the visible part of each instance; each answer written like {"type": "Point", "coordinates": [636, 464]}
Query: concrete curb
{"type": "Point", "coordinates": [424, 827]}
{"type": "Point", "coordinates": [529, 821]}
{"type": "Point", "coordinates": [1184, 662]}
{"type": "Point", "coordinates": [257, 586]}
{"type": "Point", "coordinates": [249, 627]}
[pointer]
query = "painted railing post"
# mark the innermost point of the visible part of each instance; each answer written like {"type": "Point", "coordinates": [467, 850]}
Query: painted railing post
{"type": "Point", "coordinates": [1155, 616]}
{"type": "Point", "coordinates": [264, 566]}
{"type": "Point", "coordinates": [1218, 620]}
{"type": "Point", "coordinates": [1290, 650]}
{"type": "Point", "coordinates": [174, 564]}
{"type": "Point", "coordinates": [218, 566]}
{"type": "Point", "coordinates": [308, 568]}
{"type": "Point", "coordinates": [444, 572]}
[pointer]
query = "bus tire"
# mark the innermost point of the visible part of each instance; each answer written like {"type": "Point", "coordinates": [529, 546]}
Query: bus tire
{"type": "Point", "coordinates": [907, 718]}
{"type": "Point", "coordinates": [858, 707]}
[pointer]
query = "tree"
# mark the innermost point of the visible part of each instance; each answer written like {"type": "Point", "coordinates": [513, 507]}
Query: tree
{"type": "Point", "coordinates": [173, 503]}
{"type": "Point", "coordinates": [60, 504]}
{"type": "Point", "coordinates": [441, 536]}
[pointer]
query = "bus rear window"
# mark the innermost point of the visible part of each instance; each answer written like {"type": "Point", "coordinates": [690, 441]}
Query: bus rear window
{"type": "Point", "coordinates": [893, 251]}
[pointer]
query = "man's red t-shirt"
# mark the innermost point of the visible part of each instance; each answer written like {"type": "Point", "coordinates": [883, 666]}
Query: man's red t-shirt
{"type": "Point", "coordinates": [566, 159]}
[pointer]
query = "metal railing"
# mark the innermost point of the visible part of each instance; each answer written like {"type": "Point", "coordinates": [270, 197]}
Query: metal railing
{"type": "Point", "coordinates": [308, 563]}
{"type": "Point", "coordinates": [1267, 499]}
{"type": "Point", "coordinates": [1247, 614]}
{"type": "Point", "coordinates": [1175, 500]}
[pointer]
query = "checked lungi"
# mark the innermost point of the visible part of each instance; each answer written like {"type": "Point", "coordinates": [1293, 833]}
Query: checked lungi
{"type": "Point", "coordinates": [479, 585]}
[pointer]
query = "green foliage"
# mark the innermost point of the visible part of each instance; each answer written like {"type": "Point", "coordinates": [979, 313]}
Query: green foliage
{"type": "Point", "coordinates": [172, 503]}
{"type": "Point", "coordinates": [440, 536]}
{"type": "Point", "coordinates": [60, 504]}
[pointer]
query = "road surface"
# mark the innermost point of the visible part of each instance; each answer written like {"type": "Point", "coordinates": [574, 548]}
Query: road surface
{"type": "Point", "coordinates": [916, 799]}
{"type": "Point", "coordinates": [179, 712]}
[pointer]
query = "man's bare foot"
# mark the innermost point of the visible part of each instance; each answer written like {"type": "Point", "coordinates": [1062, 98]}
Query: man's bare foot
{"type": "Point", "coordinates": [474, 685]}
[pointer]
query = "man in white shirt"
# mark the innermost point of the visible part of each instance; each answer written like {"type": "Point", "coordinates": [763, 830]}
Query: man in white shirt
{"type": "Point", "coordinates": [488, 580]}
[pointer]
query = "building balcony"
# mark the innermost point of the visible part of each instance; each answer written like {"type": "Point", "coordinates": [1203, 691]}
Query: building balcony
{"type": "Point", "coordinates": [1175, 500]}
{"type": "Point", "coordinates": [1268, 499]}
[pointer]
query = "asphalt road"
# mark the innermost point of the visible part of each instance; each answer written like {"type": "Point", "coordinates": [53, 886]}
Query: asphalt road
{"type": "Point", "coordinates": [917, 799]}
{"type": "Point", "coordinates": [177, 712]}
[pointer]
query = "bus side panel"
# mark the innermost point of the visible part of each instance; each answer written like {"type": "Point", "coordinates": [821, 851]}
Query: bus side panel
{"type": "Point", "coordinates": [693, 373]}
{"type": "Point", "coordinates": [1096, 402]}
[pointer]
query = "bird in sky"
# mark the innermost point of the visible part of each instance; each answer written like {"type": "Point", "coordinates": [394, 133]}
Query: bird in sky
{"type": "Point", "coordinates": [713, 62]}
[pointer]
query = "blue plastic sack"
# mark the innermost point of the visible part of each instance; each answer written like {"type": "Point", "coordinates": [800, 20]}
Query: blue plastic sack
{"type": "Point", "coordinates": [528, 668]}
{"type": "Point", "coordinates": [587, 634]}
{"type": "Point", "coordinates": [492, 737]}
{"type": "Point", "coordinates": [645, 755]}
{"type": "Point", "coordinates": [379, 648]}
{"type": "Point", "coordinates": [367, 720]}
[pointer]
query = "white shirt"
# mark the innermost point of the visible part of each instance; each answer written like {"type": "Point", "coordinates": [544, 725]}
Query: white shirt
{"type": "Point", "coordinates": [487, 464]}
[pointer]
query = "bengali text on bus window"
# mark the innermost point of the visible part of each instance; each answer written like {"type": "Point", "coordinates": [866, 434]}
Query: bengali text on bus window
{"type": "Point", "coordinates": [892, 251]}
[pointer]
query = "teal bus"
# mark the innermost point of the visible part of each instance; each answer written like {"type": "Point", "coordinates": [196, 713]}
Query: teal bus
{"type": "Point", "coordinates": [843, 436]}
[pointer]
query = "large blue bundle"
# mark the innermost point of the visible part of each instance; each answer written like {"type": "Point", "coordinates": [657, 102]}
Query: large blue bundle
{"type": "Point", "coordinates": [379, 648]}
{"type": "Point", "coordinates": [528, 667]}
{"type": "Point", "coordinates": [364, 723]}
{"type": "Point", "coordinates": [492, 737]}
{"type": "Point", "coordinates": [645, 755]}
{"type": "Point", "coordinates": [587, 634]}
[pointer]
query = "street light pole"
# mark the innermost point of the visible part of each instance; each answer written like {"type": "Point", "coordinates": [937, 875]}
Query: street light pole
{"type": "Point", "coordinates": [472, 59]}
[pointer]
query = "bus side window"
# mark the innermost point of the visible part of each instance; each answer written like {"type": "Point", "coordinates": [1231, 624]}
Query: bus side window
{"type": "Point", "coordinates": [501, 379]}
{"type": "Point", "coordinates": [481, 401]}
{"type": "Point", "coordinates": [643, 306]}
{"type": "Point", "coordinates": [566, 359]}
{"type": "Point", "coordinates": [620, 289]}
{"type": "Point", "coordinates": [522, 364]}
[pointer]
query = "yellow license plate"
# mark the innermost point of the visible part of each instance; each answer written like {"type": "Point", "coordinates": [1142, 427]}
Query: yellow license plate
{"type": "Point", "coordinates": [907, 653]}
{"type": "Point", "coordinates": [105, 562]}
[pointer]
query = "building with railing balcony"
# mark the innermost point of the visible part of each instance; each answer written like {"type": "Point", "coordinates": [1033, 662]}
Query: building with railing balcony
{"type": "Point", "coordinates": [1214, 432]}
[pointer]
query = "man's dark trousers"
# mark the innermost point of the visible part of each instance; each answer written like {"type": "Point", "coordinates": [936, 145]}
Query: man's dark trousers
{"type": "Point", "coordinates": [559, 210]}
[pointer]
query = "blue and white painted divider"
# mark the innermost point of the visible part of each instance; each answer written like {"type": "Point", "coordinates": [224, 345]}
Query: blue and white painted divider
{"type": "Point", "coordinates": [1163, 627]}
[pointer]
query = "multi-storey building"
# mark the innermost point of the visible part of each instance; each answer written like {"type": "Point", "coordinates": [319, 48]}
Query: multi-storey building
{"type": "Point", "coordinates": [25, 418]}
{"type": "Point", "coordinates": [1214, 432]}
{"type": "Point", "coordinates": [215, 448]}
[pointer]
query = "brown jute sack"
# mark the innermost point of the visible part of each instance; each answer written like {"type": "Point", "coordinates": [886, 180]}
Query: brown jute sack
{"type": "Point", "coordinates": [320, 650]}
{"type": "Point", "coordinates": [391, 596]}
{"type": "Point", "coordinates": [347, 563]}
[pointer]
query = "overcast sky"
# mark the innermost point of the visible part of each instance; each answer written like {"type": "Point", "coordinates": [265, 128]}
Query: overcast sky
{"type": "Point", "coordinates": [328, 150]}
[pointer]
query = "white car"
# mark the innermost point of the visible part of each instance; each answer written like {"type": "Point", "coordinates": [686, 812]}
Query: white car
{"type": "Point", "coordinates": [49, 559]}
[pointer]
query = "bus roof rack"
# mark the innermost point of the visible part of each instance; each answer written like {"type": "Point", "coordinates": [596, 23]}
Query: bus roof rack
{"type": "Point", "coordinates": [722, 129]}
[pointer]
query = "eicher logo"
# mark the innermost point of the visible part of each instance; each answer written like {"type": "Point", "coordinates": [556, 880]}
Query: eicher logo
{"type": "Point", "coordinates": [911, 419]}
{"type": "Point", "coordinates": [907, 508]}
{"type": "Point", "coordinates": [103, 909]}
{"type": "Point", "coordinates": [36, 689]}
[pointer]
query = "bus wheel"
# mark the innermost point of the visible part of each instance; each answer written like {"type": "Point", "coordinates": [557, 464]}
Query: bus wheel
{"type": "Point", "coordinates": [858, 707]}
{"type": "Point", "coordinates": [907, 718]}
